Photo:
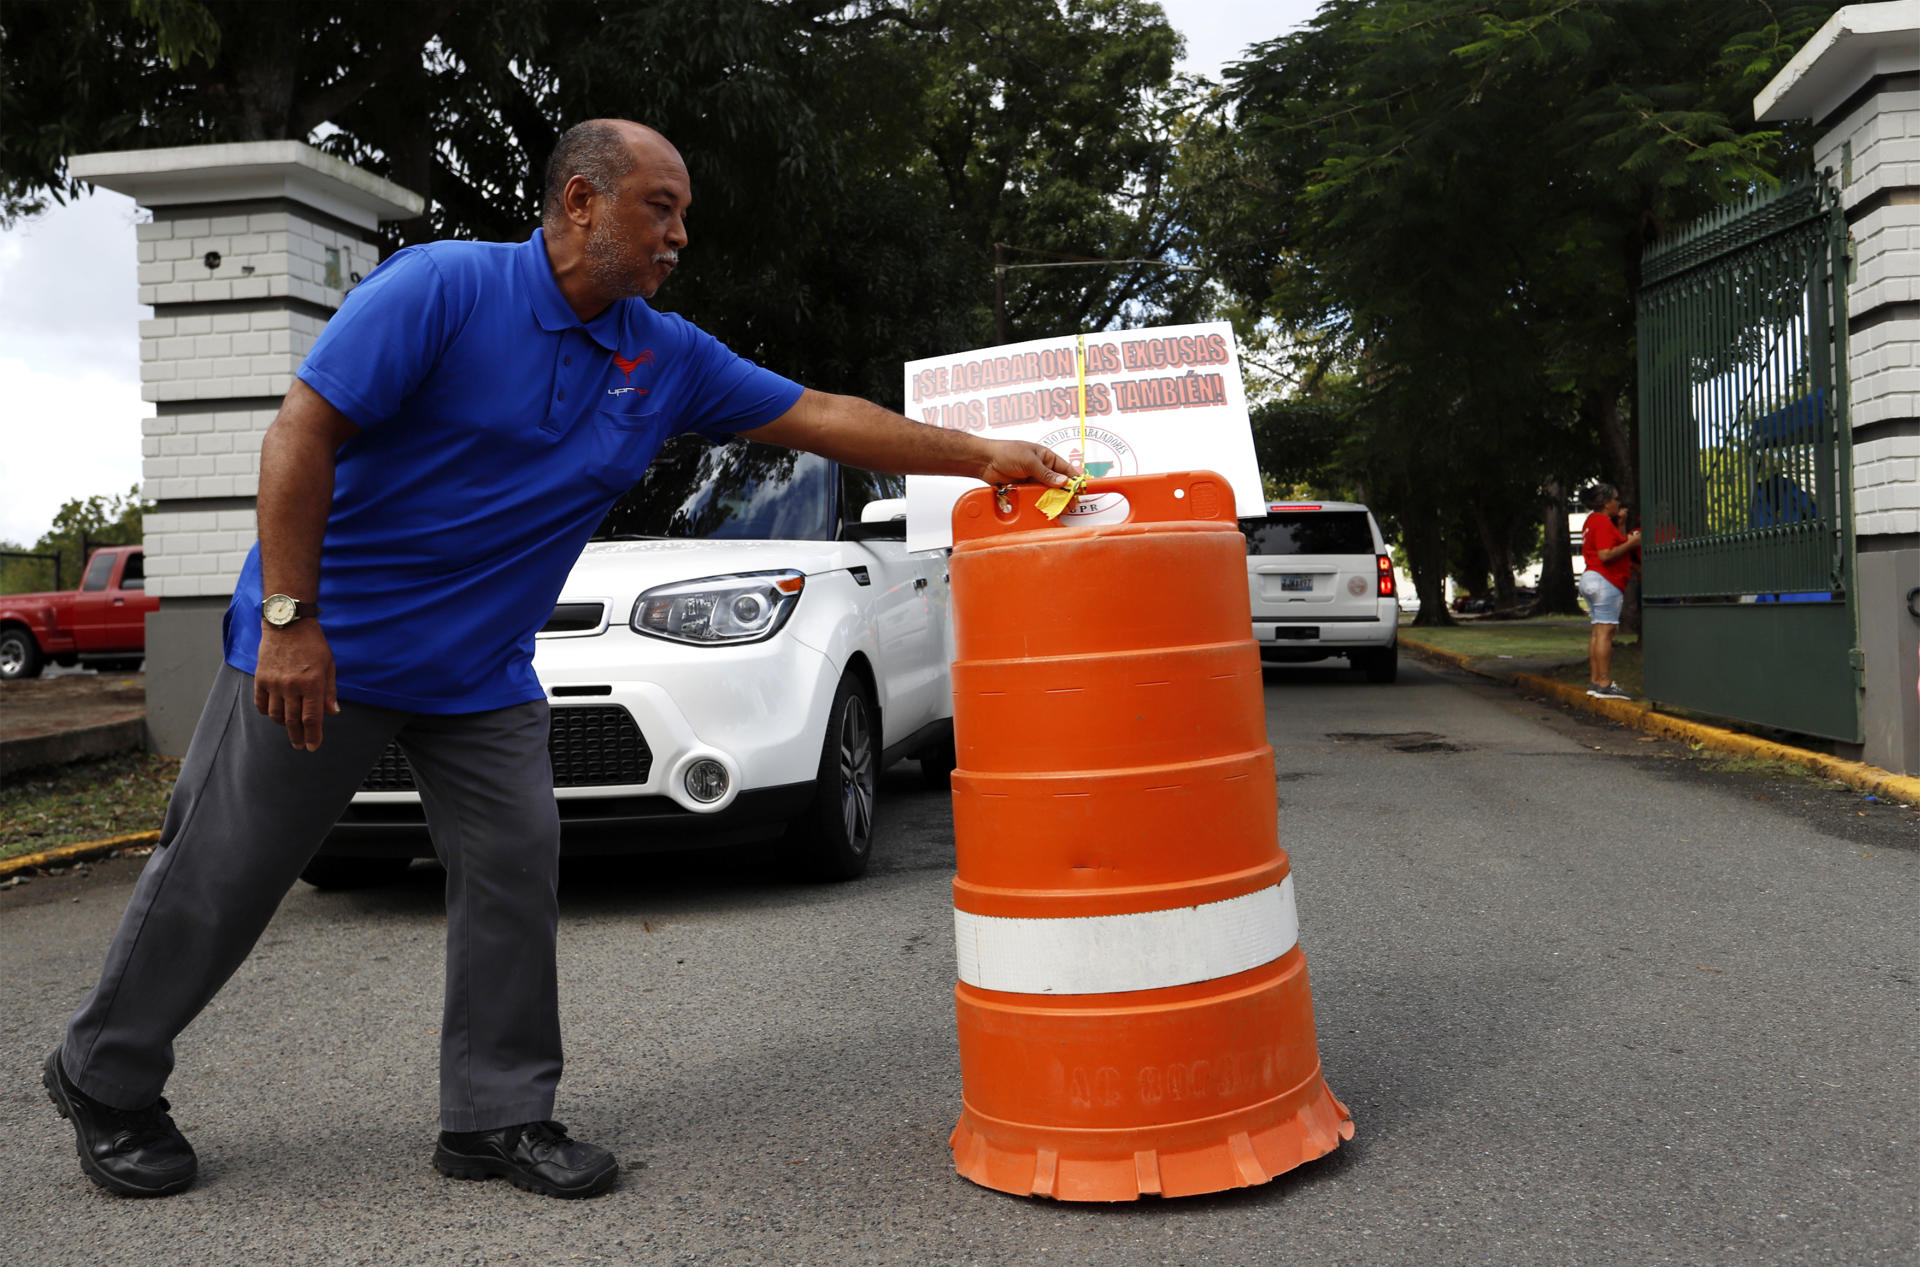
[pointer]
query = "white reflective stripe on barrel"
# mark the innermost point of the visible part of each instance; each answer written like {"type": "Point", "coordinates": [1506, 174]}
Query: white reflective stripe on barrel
{"type": "Point", "coordinates": [1106, 954]}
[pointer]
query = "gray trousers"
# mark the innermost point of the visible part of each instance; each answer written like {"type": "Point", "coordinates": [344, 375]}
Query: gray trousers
{"type": "Point", "coordinates": [250, 811]}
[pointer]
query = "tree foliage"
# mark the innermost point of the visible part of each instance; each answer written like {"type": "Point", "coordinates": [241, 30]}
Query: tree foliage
{"type": "Point", "coordinates": [853, 161]}
{"type": "Point", "coordinates": [1053, 129]}
{"type": "Point", "coordinates": [80, 524]}
{"type": "Point", "coordinates": [1448, 199]}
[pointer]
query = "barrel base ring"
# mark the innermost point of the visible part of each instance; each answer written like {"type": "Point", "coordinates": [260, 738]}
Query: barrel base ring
{"type": "Point", "coordinates": [1242, 1149]}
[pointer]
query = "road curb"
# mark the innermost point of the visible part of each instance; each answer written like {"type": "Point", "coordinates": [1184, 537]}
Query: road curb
{"type": "Point", "coordinates": [104, 740]}
{"type": "Point", "coordinates": [1867, 778]}
{"type": "Point", "coordinates": [67, 855]}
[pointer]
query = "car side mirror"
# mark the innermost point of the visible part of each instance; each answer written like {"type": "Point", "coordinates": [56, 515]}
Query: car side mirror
{"type": "Point", "coordinates": [882, 520]}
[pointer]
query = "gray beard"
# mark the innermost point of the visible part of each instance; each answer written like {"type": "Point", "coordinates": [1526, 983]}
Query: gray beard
{"type": "Point", "coordinates": [613, 265]}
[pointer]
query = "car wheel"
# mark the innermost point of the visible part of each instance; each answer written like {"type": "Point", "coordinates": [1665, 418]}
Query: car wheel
{"type": "Point", "coordinates": [19, 655]}
{"type": "Point", "coordinates": [835, 835]}
{"type": "Point", "coordinates": [1383, 665]}
{"type": "Point", "coordinates": [936, 766]}
{"type": "Point", "coordinates": [354, 873]}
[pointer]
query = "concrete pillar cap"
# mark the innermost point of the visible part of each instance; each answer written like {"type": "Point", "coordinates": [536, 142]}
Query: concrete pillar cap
{"type": "Point", "coordinates": [247, 170]}
{"type": "Point", "coordinates": [1856, 44]}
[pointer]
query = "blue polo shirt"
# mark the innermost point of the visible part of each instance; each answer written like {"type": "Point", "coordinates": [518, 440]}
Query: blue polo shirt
{"type": "Point", "coordinates": [498, 430]}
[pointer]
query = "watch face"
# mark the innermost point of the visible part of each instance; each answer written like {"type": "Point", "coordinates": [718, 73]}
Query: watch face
{"type": "Point", "coordinates": [278, 609]}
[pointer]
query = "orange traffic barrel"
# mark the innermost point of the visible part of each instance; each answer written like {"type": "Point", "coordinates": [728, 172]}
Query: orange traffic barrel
{"type": "Point", "coordinates": [1133, 1005]}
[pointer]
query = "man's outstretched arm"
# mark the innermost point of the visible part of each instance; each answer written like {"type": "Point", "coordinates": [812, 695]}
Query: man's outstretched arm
{"type": "Point", "coordinates": [861, 433]}
{"type": "Point", "coordinates": [293, 683]}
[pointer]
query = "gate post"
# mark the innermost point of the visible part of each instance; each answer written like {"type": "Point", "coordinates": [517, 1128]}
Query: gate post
{"type": "Point", "coordinates": [1858, 79]}
{"type": "Point", "coordinates": [252, 246]}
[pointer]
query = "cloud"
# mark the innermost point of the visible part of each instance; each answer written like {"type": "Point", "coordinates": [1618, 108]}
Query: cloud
{"type": "Point", "coordinates": [70, 406]}
{"type": "Point", "coordinates": [1220, 31]}
{"type": "Point", "coordinates": [71, 431]}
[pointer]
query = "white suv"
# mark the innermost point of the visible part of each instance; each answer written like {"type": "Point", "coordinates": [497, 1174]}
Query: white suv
{"type": "Point", "coordinates": [1322, 585]}
{"type": "Point", "coordinates": [744, 646]}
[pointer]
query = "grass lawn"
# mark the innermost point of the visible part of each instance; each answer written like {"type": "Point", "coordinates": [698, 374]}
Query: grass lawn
{"type": "Point", "coordinates": [1553, 638]}
{"type": "Point", "coordinates": [86, 800]}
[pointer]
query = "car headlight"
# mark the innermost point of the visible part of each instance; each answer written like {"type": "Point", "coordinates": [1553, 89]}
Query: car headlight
{"type": "Point", "coordinates": [719, 610]}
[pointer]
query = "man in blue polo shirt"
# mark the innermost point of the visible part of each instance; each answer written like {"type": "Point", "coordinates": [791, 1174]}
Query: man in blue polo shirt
{"type": "Point", "coordinates": [457, 432]}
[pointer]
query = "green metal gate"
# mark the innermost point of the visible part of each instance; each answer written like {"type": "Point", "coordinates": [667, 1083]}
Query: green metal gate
{"type": "Point", "coordinates": [1746, 466]}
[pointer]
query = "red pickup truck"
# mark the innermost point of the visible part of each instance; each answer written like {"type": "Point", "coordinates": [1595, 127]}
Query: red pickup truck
{"type": "Point", "coordinates": [103, 623]}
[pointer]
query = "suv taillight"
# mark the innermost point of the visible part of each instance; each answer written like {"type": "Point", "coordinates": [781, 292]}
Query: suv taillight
{"type": "Point", "coordinates": [1385, 564]}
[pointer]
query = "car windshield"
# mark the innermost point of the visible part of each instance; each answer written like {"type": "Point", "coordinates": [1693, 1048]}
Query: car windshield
{"type": "Point", "coordinates": [1309, 532]}
{"type": "Point", "coordinates": [736, 491]}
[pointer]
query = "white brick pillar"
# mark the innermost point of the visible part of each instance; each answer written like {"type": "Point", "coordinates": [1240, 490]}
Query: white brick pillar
{"type": "Point", "coordinates": [251, 248]}
{"type": "Point", "coordinates": [1858, 79]}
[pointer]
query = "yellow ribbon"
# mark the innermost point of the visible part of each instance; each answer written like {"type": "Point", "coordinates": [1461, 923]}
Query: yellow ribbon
{"type": "Point", "coordinates": [1056, 500]}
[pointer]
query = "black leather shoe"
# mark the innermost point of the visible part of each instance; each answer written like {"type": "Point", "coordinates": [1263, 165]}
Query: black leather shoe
{"type": "Point", "coordinates": [134, 1152]}
{"type": "Point", "coordinates": [536, 1156]}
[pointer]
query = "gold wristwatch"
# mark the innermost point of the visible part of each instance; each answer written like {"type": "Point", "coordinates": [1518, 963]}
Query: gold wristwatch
{"type": "Point", "coordinates": [279, 610]}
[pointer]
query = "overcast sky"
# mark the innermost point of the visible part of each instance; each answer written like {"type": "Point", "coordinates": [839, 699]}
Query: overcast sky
{"type": "Point", "coordinates": [70, 406]}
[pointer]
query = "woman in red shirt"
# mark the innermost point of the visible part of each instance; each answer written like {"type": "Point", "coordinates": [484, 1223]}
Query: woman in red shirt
{"type": "Point", "coordinates": [1607, 552]}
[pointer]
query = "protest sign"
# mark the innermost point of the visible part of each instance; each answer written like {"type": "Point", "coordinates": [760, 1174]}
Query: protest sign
{"type": "Point", "coordinates": [1162, 399]}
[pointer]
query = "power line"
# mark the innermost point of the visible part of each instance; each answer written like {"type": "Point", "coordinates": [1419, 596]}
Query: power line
{"type": "Point", "coordinates": [1001, 268]}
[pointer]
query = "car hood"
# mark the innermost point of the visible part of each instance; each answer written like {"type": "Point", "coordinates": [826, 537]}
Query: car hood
{"type": "Point", "coordinates": [623, 569]}
{"type": "Point", "coordinates": [35, 600]}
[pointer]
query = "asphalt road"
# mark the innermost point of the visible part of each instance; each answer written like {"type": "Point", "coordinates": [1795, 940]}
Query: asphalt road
{"type": "Point", "coordinates": [1590, 998]}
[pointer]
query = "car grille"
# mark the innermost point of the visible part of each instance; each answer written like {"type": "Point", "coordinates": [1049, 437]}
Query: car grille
{"type": "Point", "coordinates": [596, 745]}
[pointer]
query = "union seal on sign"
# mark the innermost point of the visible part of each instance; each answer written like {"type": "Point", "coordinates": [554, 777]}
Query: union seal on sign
{"type": "Point", "coordinates": [1105, 456]}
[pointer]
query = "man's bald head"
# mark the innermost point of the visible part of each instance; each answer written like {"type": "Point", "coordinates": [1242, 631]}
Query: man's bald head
{"type": "Point", "coordinates": [601, 152]}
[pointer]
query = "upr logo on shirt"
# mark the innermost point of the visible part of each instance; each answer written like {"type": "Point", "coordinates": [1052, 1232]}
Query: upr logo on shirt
{"type": "Point", "coordinates": [626, 366]}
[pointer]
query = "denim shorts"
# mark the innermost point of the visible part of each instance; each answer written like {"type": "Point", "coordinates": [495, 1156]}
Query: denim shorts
{"type": "Point", "coordinates": [1603, 597]}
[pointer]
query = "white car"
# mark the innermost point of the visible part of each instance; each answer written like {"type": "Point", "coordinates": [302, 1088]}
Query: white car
{"type": "Point", "coordinates": [1321, 583]}
{"type": "Point", "coordinates": [746, 644]}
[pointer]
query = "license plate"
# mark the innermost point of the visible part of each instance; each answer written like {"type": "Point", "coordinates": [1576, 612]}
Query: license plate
{"type": "Point", "coordinates": [1296, 584]}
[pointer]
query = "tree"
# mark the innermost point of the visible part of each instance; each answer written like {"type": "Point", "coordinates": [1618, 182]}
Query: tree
{"type": "Point", "coordinates": [853, 161]}
{"type": "Point", "coordinates": [122, 74]}
{"type": "Point", "coordinates": [1452, 198]}
{"type": "Point", "coordinates": [1055, 129]}
{"type": "Point", "coordinates": [79, 525]}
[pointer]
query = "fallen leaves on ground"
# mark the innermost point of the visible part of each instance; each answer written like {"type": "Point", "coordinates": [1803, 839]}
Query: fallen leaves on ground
{"type": "Point", "coordinates": [85, 800]}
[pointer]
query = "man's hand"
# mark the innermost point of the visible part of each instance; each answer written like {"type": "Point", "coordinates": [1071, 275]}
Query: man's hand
{"type": "Point", "coordinates": [1014, 460]}
{"type": "Point", "coordinates": [293, 683]}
